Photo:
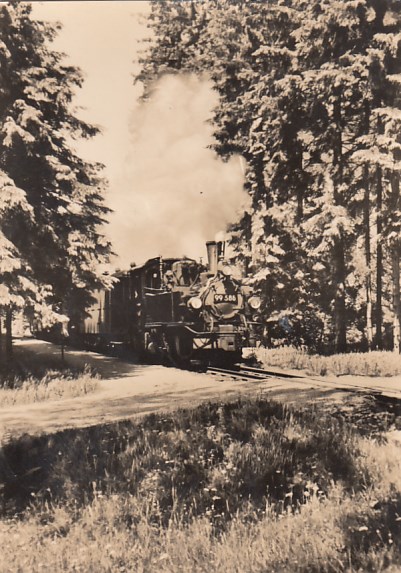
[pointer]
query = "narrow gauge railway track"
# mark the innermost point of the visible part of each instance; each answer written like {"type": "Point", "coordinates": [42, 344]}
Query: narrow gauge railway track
{"type": "Point", "coordinates": [244, 373]}
{"type": "Point", "coordinates": [238, 374]}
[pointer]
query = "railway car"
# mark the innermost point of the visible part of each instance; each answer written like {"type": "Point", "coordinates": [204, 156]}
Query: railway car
{"type": "Point", "coordinates": [176, 308]}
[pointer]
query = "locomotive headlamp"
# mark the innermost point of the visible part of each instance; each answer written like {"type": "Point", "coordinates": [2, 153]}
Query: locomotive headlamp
{"type": "Point", "coordinates": [254, 302]}
{"type": "Point", "coordinates": [195, 302]}
{"type": "Point", "coordinates": [226, 270]}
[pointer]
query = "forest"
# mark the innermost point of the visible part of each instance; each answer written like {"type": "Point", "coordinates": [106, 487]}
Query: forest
{"type": "Point", "coordinates": [309, 96]}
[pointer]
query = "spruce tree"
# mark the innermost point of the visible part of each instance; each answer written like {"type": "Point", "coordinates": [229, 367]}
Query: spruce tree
{"type": "Point", "coordinates": [58, 231]}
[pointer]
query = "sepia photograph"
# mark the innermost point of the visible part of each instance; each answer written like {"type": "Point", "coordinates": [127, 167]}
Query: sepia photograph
{"type": "Point", "coordinates": [200, 301]}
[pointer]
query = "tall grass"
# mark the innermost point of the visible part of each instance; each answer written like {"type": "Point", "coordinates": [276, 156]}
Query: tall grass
{"type": "Point", "coordinates": [251, 486]}
{"type": "Point", "coordinates": [377, 363]}
{"type": "Point", "coordinates": [55, 385]}
{"type": "Point", "coordinates": [115, 534]}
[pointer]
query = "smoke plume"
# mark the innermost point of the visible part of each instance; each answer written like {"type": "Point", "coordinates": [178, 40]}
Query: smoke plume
{"type": "Point", "coordinates": [175, 193]}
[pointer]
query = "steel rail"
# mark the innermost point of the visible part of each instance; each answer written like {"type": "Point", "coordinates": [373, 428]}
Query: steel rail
{"type": "Point", "coordinates": [237, 373]}
{"type": "Point", "coordinates": [251, 373]}
{"type": "Point", "coordinates": [269, 372]}
{"type": "Point", "coordinates": [373, 389]}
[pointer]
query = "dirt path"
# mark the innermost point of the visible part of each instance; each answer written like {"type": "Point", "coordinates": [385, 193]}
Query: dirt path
{"type": "Point", "coordinates": [129, 390]}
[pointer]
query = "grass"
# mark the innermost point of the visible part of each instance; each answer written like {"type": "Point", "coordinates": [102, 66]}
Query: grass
{"type": "Point", "coordinates": [249, 486]}
{"type": "Point", "coordinates": [33, 378]}
{"type": "Point", "coordinates": [377, 363]}
{"type": "Point", "coordinates": [55, 385]}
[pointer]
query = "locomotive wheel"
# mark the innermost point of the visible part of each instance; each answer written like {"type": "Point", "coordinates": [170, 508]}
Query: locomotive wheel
{"type": "Point", "coordinates": [180, 349]}
{"type": "Point", "coordinates": [138, 346]}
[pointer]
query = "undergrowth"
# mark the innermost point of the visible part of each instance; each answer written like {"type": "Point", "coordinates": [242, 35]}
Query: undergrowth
{"type": "Point", "coordinates": [249, 486]}
{"type": "Point", "coordinates": [31, 377]}
{"type": "Point", "coordinates": [377, 363]}
{"type": "Point", "coordinates": [55, 385]}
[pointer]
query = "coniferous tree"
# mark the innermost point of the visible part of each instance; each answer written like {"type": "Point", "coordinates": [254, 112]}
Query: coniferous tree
{"type": "Point", "coordinates": [18, 289]}
{"type": "Point", "coordinates": [57, 232]}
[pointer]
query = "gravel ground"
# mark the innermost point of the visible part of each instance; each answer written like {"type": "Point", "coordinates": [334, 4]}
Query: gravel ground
{"type": "Point", "coordinates": [128, 390]}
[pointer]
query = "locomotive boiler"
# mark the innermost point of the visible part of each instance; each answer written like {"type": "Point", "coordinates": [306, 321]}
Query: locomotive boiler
{"type": "Point", "coordinates": [176, 308]}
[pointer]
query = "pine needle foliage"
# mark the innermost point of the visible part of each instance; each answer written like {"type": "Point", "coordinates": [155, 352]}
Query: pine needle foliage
{"type": "Point", "coordinates": [52, 246]}
{"type": "Point", "coordinates": [310, 97]}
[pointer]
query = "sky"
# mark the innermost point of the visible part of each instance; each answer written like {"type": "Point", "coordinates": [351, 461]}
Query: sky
{"type": "Point", "coordinates": [168, 191]}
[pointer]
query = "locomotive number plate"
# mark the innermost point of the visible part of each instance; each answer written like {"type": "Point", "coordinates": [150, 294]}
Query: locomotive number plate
{"type": "Point", "coordinates": [226, 298]}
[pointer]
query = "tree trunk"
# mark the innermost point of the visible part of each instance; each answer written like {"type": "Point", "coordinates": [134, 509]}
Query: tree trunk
{"type": "Point", "coordinates": [9, 335]}
{"type": "Point", "coordinates": [340, 318]}
{"type": "Point", "coordinates": [1, 338]}
{"type": "Point", "coordinates": [368, 280]}
{"type": "Point", "coordinates": [395, 259]}
{"type": "Point", "coordinates": [379, 262]}
{"type": "Point", "coordinates": [339, 301]}
{"type": "Point", "coordinates": [395, 264]}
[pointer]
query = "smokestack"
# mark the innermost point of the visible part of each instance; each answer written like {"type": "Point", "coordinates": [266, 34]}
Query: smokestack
{"type": "Point", "coordinates": [221, 249]}
{"type": "Point", "coordinates": [211, 247]}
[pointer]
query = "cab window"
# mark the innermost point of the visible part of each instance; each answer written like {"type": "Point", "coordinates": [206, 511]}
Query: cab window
{"type": "Point", "coordinates": [185, 273]}
{"type": "Point", "coordinates": [152, 278]}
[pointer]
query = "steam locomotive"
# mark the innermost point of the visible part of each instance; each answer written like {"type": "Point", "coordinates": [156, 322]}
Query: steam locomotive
{"type": "Point", "coordinates": [176, 308]}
